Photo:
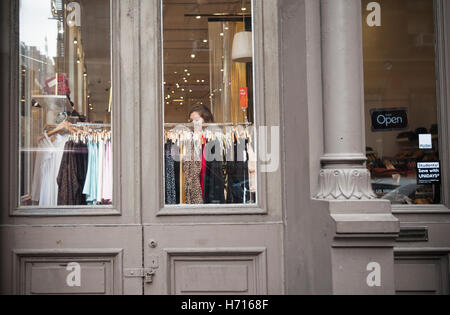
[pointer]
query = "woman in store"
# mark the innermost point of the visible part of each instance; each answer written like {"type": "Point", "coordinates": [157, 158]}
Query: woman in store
{"type": "Point", "coordinates": [201, 113]}
{"type": "Point", "coordinates": [212, 178]}
{"type": "Point", "coordinates": [209, 185]}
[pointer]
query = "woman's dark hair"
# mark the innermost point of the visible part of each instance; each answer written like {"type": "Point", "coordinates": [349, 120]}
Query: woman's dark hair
{"type": "Point", "coordinates": [204, 112]}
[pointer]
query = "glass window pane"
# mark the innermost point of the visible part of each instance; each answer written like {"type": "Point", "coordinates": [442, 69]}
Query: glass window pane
{"type": "Point", "coordinates": [208, 102]}
{"type": "Point", "coordinates": [402, 129]}
{"type": "Point", "coordinates": [65, 103]}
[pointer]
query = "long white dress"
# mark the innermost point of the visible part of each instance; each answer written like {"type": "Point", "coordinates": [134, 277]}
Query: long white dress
{"type": "Point", "coordinates": [48, 162]}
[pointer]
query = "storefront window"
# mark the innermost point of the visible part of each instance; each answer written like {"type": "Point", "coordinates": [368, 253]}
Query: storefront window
{"type": "Point", "coordinates": [401, 100]}
{"type": "Point", "coordinates": [65, 103]}
{"type": "Point", "coordinates": [208, 103]}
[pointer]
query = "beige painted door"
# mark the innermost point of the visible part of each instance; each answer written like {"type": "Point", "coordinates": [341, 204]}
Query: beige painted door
{"type": "Point", "coordinates": [137, 244]}
{"type": "Point", "coordinates": [234, 249]}
{"type": "Point", "coordinates": [71, 249]}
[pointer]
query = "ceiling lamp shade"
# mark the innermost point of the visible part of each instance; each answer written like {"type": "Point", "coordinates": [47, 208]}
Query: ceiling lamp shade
{"type": "Point", "coordinates": [242, 47]}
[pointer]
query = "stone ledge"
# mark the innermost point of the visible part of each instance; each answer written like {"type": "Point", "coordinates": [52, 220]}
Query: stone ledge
{"type": "Point", "coordinates": [364, 224]}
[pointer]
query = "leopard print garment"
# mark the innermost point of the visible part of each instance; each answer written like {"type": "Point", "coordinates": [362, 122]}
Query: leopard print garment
{"type": "Point", "coordinates": [193, 188]}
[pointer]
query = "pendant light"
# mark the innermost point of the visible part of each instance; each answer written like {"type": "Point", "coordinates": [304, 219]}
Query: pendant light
{"type": "Point", "coordinates": [242, 50]}
{"type": "Point", "coordinates": [242, 47]}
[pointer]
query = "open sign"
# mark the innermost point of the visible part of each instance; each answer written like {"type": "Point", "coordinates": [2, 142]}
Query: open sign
{"type": "Point", "coordinates": [389, 119]}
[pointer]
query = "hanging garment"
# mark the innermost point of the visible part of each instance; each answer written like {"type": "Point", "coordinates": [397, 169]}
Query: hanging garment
{"type": "Point", "coordinates": [193, 189]}
{"type": "Point", "coordinates": [90, 186]}
{"type": "Point", "coordinates": [67, 176]}
{"type": "Point", "coordinates": [101, 168]}
{"type": "Point", "coordinates": [252, 168]}
{"type": "Point", "coordinates": [214, 185]}
{"type": "Point", "coordinates": [72, 175]}
{"type": "Point", "coordinates": [43, 145]}
{"type": "Point", "coordinates": [238, 178]}
{"type": "Point", "coordinates": [48, 161]}
{"type": "Point", "coordinates": [107, 174]}
{"type": "Point", "coordinates": [81, 159]}
{"type": "Point", "coordinates": [170, 188]}
{"type": "Point", "coordinates": [203, 171]}
{"type": "Point", "coordinates": [178, 192]}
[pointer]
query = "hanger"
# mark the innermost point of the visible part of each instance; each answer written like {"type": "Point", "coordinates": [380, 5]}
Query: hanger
{"type": "Point", "coordinates": [65, 125]}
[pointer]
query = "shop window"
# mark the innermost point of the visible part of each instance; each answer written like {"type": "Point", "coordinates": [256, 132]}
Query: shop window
{"type": "Point", "coordinates": [65, 100]}
{"type": "Point", "coordinates": [208, 103]}
{"type": "Point", "coordinates": [402, 129]}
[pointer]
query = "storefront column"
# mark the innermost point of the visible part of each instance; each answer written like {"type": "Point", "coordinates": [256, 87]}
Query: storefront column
{"type": "Point", "coordinates": [344, 175]}
{"type": "Point", "coordinates": [364, 228]}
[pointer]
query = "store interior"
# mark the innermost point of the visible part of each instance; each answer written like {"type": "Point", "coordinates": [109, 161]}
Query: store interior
{"type": "Point", "coordinates": [208, 74]}
{"type": "Point", "coordinates": [65, 96]}
{"type": "Point", "coordinates": [400, 74]}
{"type": "Point", "coordinates": [198, 41]}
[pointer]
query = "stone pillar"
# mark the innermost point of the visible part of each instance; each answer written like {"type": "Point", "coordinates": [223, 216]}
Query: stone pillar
{"type": "Point", "coordinates": [344, 175]}
{"type": "Point", "coordinates": [364, 230]}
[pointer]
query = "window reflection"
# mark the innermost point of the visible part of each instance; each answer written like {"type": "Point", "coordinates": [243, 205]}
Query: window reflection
{"type": "Point", "coordinates": [208, 102]}
{"type": "Point", "coordinates": [401, 101]}
{"type": "Point", "coordinates": [65, 103]}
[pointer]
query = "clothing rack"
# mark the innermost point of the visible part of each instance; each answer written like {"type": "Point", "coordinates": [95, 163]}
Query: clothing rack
{"type": "Point", "coordinates": [171, 125]}
{"type": "Point", "coordinates": [92, 125]}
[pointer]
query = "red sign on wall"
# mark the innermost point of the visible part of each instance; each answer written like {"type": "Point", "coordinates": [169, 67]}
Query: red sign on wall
{"type": "Point", "coordinates": [244, 97]}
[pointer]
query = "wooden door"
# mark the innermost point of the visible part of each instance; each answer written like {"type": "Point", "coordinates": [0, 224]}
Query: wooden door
{"type": "Point", "coordinates": [209, 249]}
{"type": "Point", "coordinates": [43, 247]}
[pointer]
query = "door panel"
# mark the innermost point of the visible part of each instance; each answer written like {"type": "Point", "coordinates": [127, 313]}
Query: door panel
{"type": "Point", "coordinates": [214, 259]}
{"type": "Point", "coordinates": [422, 273]}
{"type": "Point", "coordinates": [35, 259]}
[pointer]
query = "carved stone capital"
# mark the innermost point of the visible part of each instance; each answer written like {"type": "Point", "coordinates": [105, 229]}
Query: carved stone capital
{"type": "Point", "coordinates": [345, 184]}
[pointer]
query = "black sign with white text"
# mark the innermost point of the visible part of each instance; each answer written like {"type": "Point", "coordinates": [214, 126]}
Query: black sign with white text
{"type": "Point", "coordinates": [389, 119]}
{"type": "Point", "coordinates": [428, 173]}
